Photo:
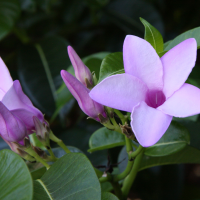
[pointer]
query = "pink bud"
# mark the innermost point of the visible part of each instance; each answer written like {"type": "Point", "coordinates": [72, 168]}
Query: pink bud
{"type": "Point", "coordinates": [81, 94]}
{"type": "Point", "coordinates": [82, 72]}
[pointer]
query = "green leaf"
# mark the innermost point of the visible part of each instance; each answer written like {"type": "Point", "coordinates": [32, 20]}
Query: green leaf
{"type": "Point", "coordinates": [187, 155]}
{"type": "Point", "coordinates": [112, 64]}
{"type": "Point", "coordinates": [39, 71]}
{"type": "Point", "coordinates": [9, 13]}
{"type": "Point", "coordinates": [175, 139]}
{"type": "Point", "coordinates": [105, 139]}
{"type": "Point", "coordinates": [38, 173]}
{"type": "Point", "coordinates": [108, 196]}
{"type": "Point", "coordinates": [193, 33]}
{"type": "Point", "coordinates": [16, 182]}
{"type": "Point", "coordinates": [153, 36]}
{"type": "Point", "coordinates": [71, 177]}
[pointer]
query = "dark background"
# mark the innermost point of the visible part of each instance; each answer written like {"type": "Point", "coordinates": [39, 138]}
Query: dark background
{"type": "Point", "coordinates": [91, 26]}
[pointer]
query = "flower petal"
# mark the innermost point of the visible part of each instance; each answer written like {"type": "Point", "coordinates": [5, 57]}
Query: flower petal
{"type": "Point", "coordinates": [121, 91]}
{"type": "Point", "coordinates": [5, 78]}
{"type": "Point", "coordinates": [16, 99]}
{"type": "Point", "coordinates": [149, 124]}
{"type": "Point", "coordinates": [12, 129]}
{"type": "Point", "coordinates": [142, 61]}
{"type": "Point", "coordinates": [26, 117]}
{"type": "Point", "coordinates": [81, 94]}
{"type": "Point", "coordinates": [81, 71]}
{"type": "Point", "coordinates": [2, 93]}
{"type": "Point", "coordinates": [183, 103]}
{"type": "Point", "coordinates": [177, 65]}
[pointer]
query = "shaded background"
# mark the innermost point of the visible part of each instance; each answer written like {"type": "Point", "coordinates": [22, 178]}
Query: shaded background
{"type": "Point", "coordinates": [34, 35]}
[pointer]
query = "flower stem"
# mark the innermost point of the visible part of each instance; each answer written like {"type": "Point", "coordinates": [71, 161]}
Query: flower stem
{"type": "Point", "coordinates": [131, 177]}
{"type": "Point", "coordinates": [37, 157]}
{"type": "Point", "coordinates": [117, 189]}
{"type": "Point", "coordinates": [53, 157]}
{"type": "Point", "coordinates": [120, 115]}
{"type": "Point", "coordinates": [59, 142]}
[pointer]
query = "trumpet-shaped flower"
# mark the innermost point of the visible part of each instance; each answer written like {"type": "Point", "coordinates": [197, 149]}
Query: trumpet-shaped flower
{"type": "Point", "coordinates": [153, 89]}
{"type": "Point", "coordinates": [12, 96]}
{"type": "Point", "coordinates": [81, 94]}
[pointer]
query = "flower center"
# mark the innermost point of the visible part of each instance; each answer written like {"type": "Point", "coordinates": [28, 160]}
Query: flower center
{"type": "Point", "coordinates": [155, 98]}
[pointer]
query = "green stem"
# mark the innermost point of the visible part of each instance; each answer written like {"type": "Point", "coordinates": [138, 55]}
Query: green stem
{"type": "Point", "coordinates": [59, 142]}
{"type": "Point", "coordinates": [129, 148]}
{"type": "Point", "coordinates": [117, 189]}
{"type": "Point", "coordinates": [105, 179]}
{"type": "Point", "coordinates": [131, 177]}
{"type": "Point", "coordinates": [125, 173]}
{"type": "Point", "coordinates": [136, 152]}
{"type": "Point", "coordinates": [53, 157]}
{"type": "Point", "coordinates": [37, 157]}
{"type": "Point", "coordinates": [120, 115]}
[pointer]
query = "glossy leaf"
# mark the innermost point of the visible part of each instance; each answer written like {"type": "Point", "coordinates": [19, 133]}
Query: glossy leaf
{"type": "Point", "coordinates": [39, 71]}
{"type": "Point", "coordinates": [9, 13]}
{"type": "Point", "coordinates": [16, 182]}
{"type": "Point", "coordinates": [108, 196]}
{"type": "Point", "coordinates": [71, 177]}
{"type": "Point", "coordinates": [38, 173]}
{"type": "Point", "coordinates": [175, 139]}
{"type": "Point", "coordinates": [153, 36]}
{"type": "Point", "coordinates": [112, 64]}
{"type": "Point", "coordinates": [193, 33]}
{"type": "Point", "coordinates": [105, 139]}
{"type": "Point", "coordinates": [187, 155]}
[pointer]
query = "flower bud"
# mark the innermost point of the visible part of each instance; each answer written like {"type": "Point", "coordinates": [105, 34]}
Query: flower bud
{"type": "Point", "coordinates": [42, 132]}
{"type": "Point", "coordinates": [12, 128]}
{"type": "Point", "coordinates": [82, 72]}
{"type": "Point", "coordinates": [81, 94]}
{"type": "Point", "coordinates": [15, 147]}
{"type": "Point", "coordinates": [21, 106]}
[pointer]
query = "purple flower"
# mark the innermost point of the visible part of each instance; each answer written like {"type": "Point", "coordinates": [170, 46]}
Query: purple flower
{"type": "Point", "coordinates": [12, 96]}
{"type": "Point", "coordinates": [82, 72]}
{"type": "Point", "coordinates": [153, 89]}
{"type": "Point", "coordinates": [81, 94]}
{"type": "Point", "coordinates": [12, 129]}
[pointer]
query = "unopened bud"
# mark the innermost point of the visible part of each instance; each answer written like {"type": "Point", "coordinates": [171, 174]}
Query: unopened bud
{"type": "Point", "coordinates": [88, 84]}
{"type": "Point", "coordinates": [42, 131]}
{"type": "Point", "coordinates": [40, 152]}
{"type": "Point", "coordinates": [25, 155]}
{"type": "Point", "coordinates": [127, 130]}
{"type": "Point", "coordinates": [94, 78]}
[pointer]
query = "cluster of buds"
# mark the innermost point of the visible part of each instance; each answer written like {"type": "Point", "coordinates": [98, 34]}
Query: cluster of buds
{"type": "Point", "coordinates": [19, 118]}
{"type": "Point", "coordinates": [80, 87]}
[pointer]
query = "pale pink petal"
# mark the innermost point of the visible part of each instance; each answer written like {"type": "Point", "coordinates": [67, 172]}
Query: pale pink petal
{"type": "Point", "coordinates": [142, 61]}
{"type": "Point", "coordinates": [183, 103]}
{"type": "Point", "coordinates": [2, 93]}
{"type": "Point", "coordinates": [81, 71]}
{"type": "Point", "coordinates": [16, 99]}
{"type": "Point", "coordinates": [121, 91]}
{"type": "Point", "coordinates": [149, 124]}
{"type": "Point", "coordinates": [177, 65]}
{"type": "Point", "coordinates": [81, 94]}
{"type": "Point", "coordinates": [5, 78]}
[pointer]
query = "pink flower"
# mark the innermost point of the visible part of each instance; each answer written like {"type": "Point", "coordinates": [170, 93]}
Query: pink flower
{"type": "Point", "coordinates": [153, 89]}
{"type": "Point", "coordinates": [81, 94]}
{"type": "Point", "coordinates": [12, 96]}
